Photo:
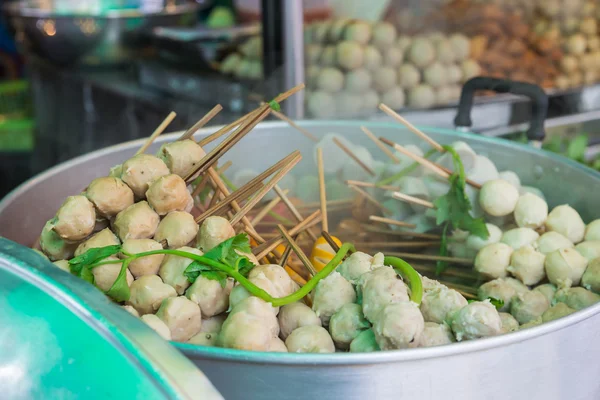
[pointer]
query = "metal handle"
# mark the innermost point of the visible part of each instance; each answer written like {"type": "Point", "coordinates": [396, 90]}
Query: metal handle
{"type": "Point", "coordinates": [539, 102]}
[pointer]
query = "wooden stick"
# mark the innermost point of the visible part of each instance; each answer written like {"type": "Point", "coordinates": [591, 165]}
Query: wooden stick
{"type": "Point", "coordinates": [309, 267]}
{"type": "Point", "coordinates": [390, 221]}
{"type": "Point", "coordinates": [262, 213]}
{"type": "Point", "coordinates": [292, 209]}
{"type": "Point", "coordinates": [296, 277]}
{"type": "Point", "coordinates": [411, 127]}
{"type": "Point", "coordinates": [421, 160]}
{"type": "Point", "coordinates": [271, 244]}
{"type": "Point", "coordinates": [381, 146]}
{"type": "Point", "coordinates": [322, 192]}
{"type": "Point", "coordinates": [401, 233]}
{"type": "Point", "coordinates": [426, 257]}
{"type": "Point", "coordinates": [330, 203]}
{"type": "Point", "coordinates": [300, 129]}
{"type": "Point", "coordinates": [160, 129]}
{"type": "Point", "coordinates": [371, 185]}
{"type": "Point", "coordinates": [272, 182]}
{"type": "Point", "coordinates": [242, 193]}
{"type": "Point", "coordinates": [370, 198]}
{"type": "Point", "coordinates": [412, 199]}
{"type": "Point", "coordinates": [224, 167]}
{"type": "Point", "coordinates": [353, 156]}
{"type": "Point", "coordinates": [408, 244]}
{"type": "Point", "coordinates": [467, 274]}
{"type": "Point", "coordinates": [203, 121]}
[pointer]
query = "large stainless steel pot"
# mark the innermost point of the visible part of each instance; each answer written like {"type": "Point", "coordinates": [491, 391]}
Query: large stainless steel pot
{"type": "Point", "coordinates": [554, 361]}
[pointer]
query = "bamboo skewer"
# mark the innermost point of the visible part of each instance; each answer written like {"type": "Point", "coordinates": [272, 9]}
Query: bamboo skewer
{"type": "Point", "coordinates": [300, 129]}
{"type": "Point", "coordinates": [370, 198]}
{"type": "Point", "coordinates": [371, 185]}
{"type": "Point", "coordinates": [267, 247]}
{"type": "Point", "coordinates": [203, 121]}
{"type": "Point", "coordinates": [409, 244]}
{"type": "Point", "coordinates": [390, 221]}
{"type": "Point", "coordinates": [412, 199]}
{"type": "Point", "coordinates": [322, 192]}
{"type": "Point", "coordinates": [283, 196]}
{"type": "Point", "coordinates": [243, 192]}
{"type": "Point", "coordinates": [401, 233]}
{"type": "Point", "coordinates": [421, 160]}
{"type": "Point", "coordinates": [303, 258]}
{"type": "Point", "coordinates": [411, 127]}
{"type": "Point", "coordinates": [381, 146]}
{"type": "Point", "coordinates": [427, 257]}
{"type": "Point", "coordinates": [353, 156]}
{"type": "Point", "coordinates": [330, 203]}
{"type": "Point", "coordinates": [272, 182]}
{"type": "Point", "coordinates": [262, 213]}
{"type": "Point", "coordinates": [160, 129]}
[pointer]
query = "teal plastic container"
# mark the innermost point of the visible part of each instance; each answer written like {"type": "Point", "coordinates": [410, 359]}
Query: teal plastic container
{"type": "Point", "coordinates": [54, 345]}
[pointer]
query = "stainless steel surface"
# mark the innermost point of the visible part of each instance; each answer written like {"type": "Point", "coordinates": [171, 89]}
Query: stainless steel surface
{"type": "Point", "coordinates": [92, 38]}
{"type": "Point", "coordinates": [554, 361]}
{"type": "Point", "coordinates": [63, 340]}
{"type": "Point", "coordinates": [293, 29]}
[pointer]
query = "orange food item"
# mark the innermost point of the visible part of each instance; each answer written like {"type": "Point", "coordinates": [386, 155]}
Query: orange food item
{"type": "Point", "coordinates": [322, 252]}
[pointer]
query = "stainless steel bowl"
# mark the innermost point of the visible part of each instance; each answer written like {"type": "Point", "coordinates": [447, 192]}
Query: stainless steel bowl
{"type": "Point", "coordinates": [554, 361]}
{"type": "Point", "coordinates": [93, 38]}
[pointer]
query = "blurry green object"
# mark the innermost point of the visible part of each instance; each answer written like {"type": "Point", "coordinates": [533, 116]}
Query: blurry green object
{"type": "Point", "coordinates": [220, 17]}
{"type": "Point", "coordinates": [16, 126]}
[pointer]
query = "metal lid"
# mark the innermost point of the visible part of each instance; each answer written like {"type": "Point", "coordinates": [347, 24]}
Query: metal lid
{"type": "Point", "coordinates": [53, 345]}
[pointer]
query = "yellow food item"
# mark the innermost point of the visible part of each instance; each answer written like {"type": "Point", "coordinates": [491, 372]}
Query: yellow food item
{"type": "Point", "coordinates": [322, 252]}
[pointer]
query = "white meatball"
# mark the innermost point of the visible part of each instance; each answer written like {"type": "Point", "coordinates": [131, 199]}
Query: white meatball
{"type": "Point", "coordinates": [148, 292]}
{"type": "Point", "coordinates": [142, 169]}
{"type": "Point", "coordinates": [476, 320]}
{"type": "Point", "coordinates": [492, 260]}
{"type": "Point", "coordinates": [526, 307]}
{"type": "Point", "coordinates": [148, 265]}
{"type": "Point", "coordinates": [461, 46]}
{"type": "Point", "coordinates": [527, 265]}
{"type": "Point", "coordinates": [589, 250]}
{"type": "Point", "coordinates": [381, 287]}
{"type": "Point", "coordinates": [455, 75]}
{"type": "Point", "coordinates": [131, 310]}
{"type": "Point", "coordinates": [393, 98]}
{"type": "Point", "coordinates": [509, 323]}
{"type": "Point", "coordinates": [280, 279]}
{"type": "Point", "coordinates": [483, 170]}
{"type": "Point", "coordinates": [564, 266]}
{"type": "Point", "coordinates": [182, 316]}
{"type": "Point", "coordinates": [138, 221]}
{"type": "Point", "coordinates": [384, 35]}
{"type": "Point", "coordinates": [512, 178]}
{"type": "Point", "coordinates": [499, 289]}
{"type": "Point", "coordinates": [310, 339]}
{"type": "Point", "coordinates": [239, 293]}
{"type": "Point", "coordinates": [109, 195]}
{"type": "Point", "coordinates": [592, 230]}
{"type": "Point", "coordinates": [157, 325]}
{"type": "Point", "coordinates": [435, 75]}
{"type": "Point", "coordinates": [349, 55]}
{"type": "Point", "coordinates": [330, 80]}
{"type": "Point", "coordinates": [331, 294]}
{"type": "Point", "coordinates": [358, 31]}
{"type": "Point", "coordinates": [373, 58]}
{"type": "Point", "coordinates": [106, 275]}
{"type": "Point", "coordinates": [212, 298]}
{"type": "Point", "coordinates": [75, 219]}
{"type": "Point", "coordinates": [277, 346]}
{"type": "Point", "coordinates": [53, 245]}
{"type": "Point", "coordinates": [358, 81]}
{"type": "Point", "coordinates": [295, 315]}
{"type": "Point", "coordinates": [205, 339]}
{"type": "Point", "coordinates": [531, 211]}
{"type": "Point", "coordinates": [591, 277]}
{"type": "Point", "coordinates": [498, 197]}
{"type": "Point", "coordinates": [245, 331]}
{"type": "Point", "coordinates": [168, 193]}
{"type": "Point", "coordinates": [531, 324]}
{"type": "Point", "coordinates": [214, 231]}
{"type": "Point", "coordinates": [260, 309]}
{"type": "Point", "coordinates": [532, 190]}
{"type": "Point", "coordinates": [519, 237]}
{"type": "Point", "coordinates": [444, 95]}
{"type": "Point", "coordinates": [476, 243]}
{"type": "Point", "coordinates": [346, 324]}
{"type": "Point", "coordinates": [566, 221]}
{"type": "Point", "coordinates": [548, 290]}
{"type": "Point", "coordinates": [470, 69]}
{"type": "Point", "coordinates": [436, 335]}
{"type": "Point", "coordinates": [364, 343]}
{"type": "Point", "coordinates": [101, 239]}
{"type": "Point", "coordinates": [399, 326]}
{"type": "Point", "coordinates": [440, 304]}
{"type": "Point", "coordinates": [421, 52]}
{"type": "Point", "coordinates": [357, 264]}
{"type": "Point", "coordinates": [172, 268]}
{"type": "Point", "coordinates": [370, 101]}
{"type": "Point", "coordinates": [552, 241]}
{"type": "Point", "coordinates": [178, 229]}
{"type": "Point", "coordinates": [408, 76]}
{"type": "Point", "coordinates": [213, 324]}
{"type": "Point", "coordinates": [421, 96]}
{"type": "Point", "coordinates": [384, 78]}
{"type": "Point", "coordinates": [181, 156]}
{"type": "Point", "coordinates": [557, 311]}
{"type": "Point", "coordinates": [576, 298]}
{"type": "Point", "coordinates": [467, 156]}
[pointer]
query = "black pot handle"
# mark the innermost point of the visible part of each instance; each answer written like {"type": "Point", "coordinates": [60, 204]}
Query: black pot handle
{"type": "Point", "coordinates": [539, 102]}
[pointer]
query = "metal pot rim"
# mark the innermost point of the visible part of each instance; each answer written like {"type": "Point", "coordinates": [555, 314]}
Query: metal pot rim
{"type": "Point", "coordinates": [196, 351]}
{"type": "Point", "coordinates": [14, 10]}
